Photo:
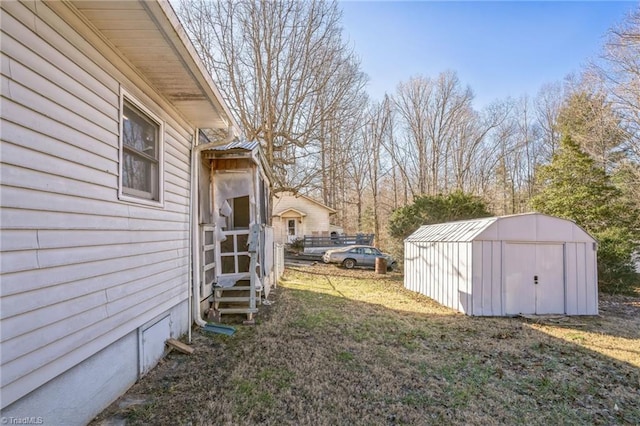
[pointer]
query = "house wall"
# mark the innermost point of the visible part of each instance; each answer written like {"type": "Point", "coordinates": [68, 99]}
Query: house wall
{"type": "Point", "coordinates": [101, 377]}
{"type": "Point", "coordinates": [316, 219]}
{"type": "Point", "coordinates": [81, 270]}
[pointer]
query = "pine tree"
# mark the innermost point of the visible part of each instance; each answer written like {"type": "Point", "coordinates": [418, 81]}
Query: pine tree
{"type": "Point", "coordinates": [572, 186]}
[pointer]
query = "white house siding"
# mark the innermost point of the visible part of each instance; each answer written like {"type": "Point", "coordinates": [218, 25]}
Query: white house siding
{"type": "Point", "coordinates": [80, 269]}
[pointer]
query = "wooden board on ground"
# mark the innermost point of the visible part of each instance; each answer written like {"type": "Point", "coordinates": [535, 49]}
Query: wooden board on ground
{"type": "Point", "coordinates": [176, 344]}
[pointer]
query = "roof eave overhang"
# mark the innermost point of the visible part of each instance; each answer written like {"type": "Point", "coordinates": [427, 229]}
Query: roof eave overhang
{"type": "Point", "coordinates": [295, 211]}
{"type": "Point", "coordinates": [331, 211]}
{"type": "Point", "coordinates": [204, 106]}
{"type": "Point", "coordinates": [201, 111]}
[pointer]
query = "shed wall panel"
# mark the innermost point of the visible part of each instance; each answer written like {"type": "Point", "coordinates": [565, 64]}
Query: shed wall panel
{"type": "Point", "coordinates": [420, 272]}
{"type": "Point", "coordinates": [432, 270]}
{"type": "Point", "coordinates": [466, 277]}
{"type": "Point", "coordinates": [410, 267]}
{"type": "Point", "coordinates": [448, 267]}
{"type": "Point", "coordinates": [420, 277]}
{"type": "Point", "coordinates": [455, 276]}
{"type": "Point", "coordinates": [591, 279]}
{"type": "Point", "coordinates": [477, 277]}
{"type": "Point", "coordinates": [582, 291]}
{"type": "Point", "coordinates": [571, 278]}
{"type": "Point", "coordinates": [423, 276]}
{"type": "Point", "coordinates": [522, 229]}
{"type": "Point", "coordinates": [445, 264]}
{"type": "Point", "coordinates": [440, 288]}
{"type": "Point", "coordinates": [552, 229]}
{"type": "Point", "coordinates": [486, 289]}
{"type": "Point", "coordinates": [460, 274]}
{"type": "Point", "coordinates": [497, 280]}
{"type": "Point", "coordinates": [425, 273]}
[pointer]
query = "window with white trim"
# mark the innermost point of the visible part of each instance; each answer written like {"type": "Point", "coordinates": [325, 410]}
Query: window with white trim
{"type": "Point", "coordinates": [141, 159]}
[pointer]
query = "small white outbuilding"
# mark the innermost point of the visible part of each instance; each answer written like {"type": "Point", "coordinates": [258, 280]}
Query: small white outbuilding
{"type": "Point", "coordinates": [521, 264]}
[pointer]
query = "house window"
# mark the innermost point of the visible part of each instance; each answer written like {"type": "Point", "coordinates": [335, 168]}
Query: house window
{"type": "Point", "coordinates": [140, 155]}
{"type": "Point", "coordinates": [291, 224]}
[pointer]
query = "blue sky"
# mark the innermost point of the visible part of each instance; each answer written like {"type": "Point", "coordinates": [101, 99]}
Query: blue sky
{"type": "Point", "coordinates": [500, 49]}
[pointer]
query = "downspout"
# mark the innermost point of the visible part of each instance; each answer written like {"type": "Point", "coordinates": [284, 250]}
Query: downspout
{"type": "Point", "coordinates": [193, 138]}
{"type": "Point", "coordinates": [196, 150]}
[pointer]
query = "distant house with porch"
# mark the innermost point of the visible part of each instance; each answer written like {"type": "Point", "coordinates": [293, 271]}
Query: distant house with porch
{"type": "Point", "coordinates": [296, 216]}
{"type": "Point", "coordinates": [120, 211]}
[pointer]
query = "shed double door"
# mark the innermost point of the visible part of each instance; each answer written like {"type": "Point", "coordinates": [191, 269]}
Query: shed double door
{"type": "Point", "coordinates": [534, 279]}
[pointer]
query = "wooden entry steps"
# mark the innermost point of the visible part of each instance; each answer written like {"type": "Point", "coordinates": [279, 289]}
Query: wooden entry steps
{"type": "Point", "coordinates": [234, 300]}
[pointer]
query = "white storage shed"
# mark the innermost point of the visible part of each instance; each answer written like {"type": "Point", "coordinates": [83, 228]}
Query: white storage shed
{"type": "Point", "coordinates": [499, 266]}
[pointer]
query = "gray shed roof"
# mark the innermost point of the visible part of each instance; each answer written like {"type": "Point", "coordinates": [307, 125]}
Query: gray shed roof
{"type": "Point", "coordinates": [520, 227]}
{"type": "Point", "coordinates": [465, 230]}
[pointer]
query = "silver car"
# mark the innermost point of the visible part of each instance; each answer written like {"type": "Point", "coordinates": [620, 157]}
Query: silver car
{"type": "Point", "coordinates": [352, 256]}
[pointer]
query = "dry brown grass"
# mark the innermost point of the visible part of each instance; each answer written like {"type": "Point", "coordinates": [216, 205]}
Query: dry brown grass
{"type": "Point", "coordinates": [350, 347]}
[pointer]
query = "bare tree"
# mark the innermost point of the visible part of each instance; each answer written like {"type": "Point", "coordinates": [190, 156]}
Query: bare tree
{"type": "Point", "coordinates": [431, 112]}
{"type": "Point", "coordinates": [547, 106]}
{"type": "Point", "coordinates": [284, 69]}
{"type": "Point", "coordinates": [413, 99]}
{"type": "Point", "coordinates": [465, 149]}
{"type": "Point", "coordinates": [377, 130]}
{"type": "Point", "coordinates": [592, 122]}
{"type": "Point", "coordinates": [621, 72]}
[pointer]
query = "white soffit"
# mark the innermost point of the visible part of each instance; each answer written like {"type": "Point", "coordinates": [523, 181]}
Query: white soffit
{"type": "Point", "coordinates": [149, 35]}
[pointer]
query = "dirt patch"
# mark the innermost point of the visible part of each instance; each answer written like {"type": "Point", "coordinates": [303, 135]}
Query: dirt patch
{"type": "Point", "coordinates": [354, 347]}
{"type": "Point", "coordinates": [620, 306]}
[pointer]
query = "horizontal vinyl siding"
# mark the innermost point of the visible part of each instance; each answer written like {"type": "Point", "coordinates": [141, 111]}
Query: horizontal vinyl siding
{"type": "Point", "coordinates": [317, 219]}
{"type": "Point", "coordinates": [80, 269]}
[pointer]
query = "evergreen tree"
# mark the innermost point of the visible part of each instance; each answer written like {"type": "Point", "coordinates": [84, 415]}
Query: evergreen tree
{"type": "Point", "coordinates": [430, 209]}
{"type": "Point", "coordinates": [572, 186]}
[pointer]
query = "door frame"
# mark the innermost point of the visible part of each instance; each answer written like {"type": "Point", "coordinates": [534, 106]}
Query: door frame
{"type": "Point", "coordinates": [296, 226]}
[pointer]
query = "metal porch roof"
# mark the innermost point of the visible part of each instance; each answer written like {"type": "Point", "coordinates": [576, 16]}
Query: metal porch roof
{"type": "Point", "coordinates": [237, 145]}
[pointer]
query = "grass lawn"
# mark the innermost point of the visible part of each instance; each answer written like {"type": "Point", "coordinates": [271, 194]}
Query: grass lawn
{"type": "Point", "coordinates": [344, 347]}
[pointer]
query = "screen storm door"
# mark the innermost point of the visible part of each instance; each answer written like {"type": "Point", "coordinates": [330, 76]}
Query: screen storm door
{"type": "Point", "coordinates": [534, 279]}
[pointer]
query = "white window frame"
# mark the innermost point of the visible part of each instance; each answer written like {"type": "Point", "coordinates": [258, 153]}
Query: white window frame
{"type": "Point", "coordinates": [129, 195]}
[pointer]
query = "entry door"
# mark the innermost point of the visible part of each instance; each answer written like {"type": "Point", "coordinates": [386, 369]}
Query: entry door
{"type": "Point", "coordinates": [292, 231]}
{"type": "Point", "coordinates": [534, 279]}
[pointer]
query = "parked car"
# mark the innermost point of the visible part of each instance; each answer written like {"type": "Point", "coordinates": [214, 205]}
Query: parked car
{"type": "Point", "coordinates": [358, 255]}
